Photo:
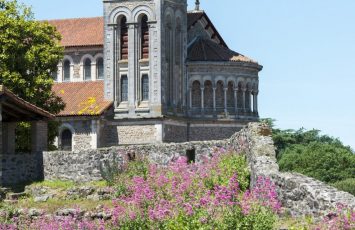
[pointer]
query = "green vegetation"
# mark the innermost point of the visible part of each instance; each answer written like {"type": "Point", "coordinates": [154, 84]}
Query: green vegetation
{"type": "Point", "coordinates": [58, 184]}
{"type": "Point", "coordinates": [30, 51]}
{"type": "Point", "coordinates": [319, 156]}
{"type": "Point", "coordinates": [347, 185]}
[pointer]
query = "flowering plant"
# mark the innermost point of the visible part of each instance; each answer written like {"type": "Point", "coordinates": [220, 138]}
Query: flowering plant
{"type": "Point", "coordinates": [213, 194]}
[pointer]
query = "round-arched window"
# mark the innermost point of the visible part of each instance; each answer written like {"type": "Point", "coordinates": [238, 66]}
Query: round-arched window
{"type": "Point", "coordinates": [66, 140]}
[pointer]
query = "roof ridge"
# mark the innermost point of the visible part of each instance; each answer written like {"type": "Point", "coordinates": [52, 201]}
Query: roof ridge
{"type": "Point", "coordinates": [67, 19]}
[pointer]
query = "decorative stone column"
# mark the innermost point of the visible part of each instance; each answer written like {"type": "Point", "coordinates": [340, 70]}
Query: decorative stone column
{"type": "Point", "coordinates": [214, 101]}
{"type": "Point", "coordinates": [9, 139]}
{"type": "Point", "coordinates": [189, 110]}
{"type": "Point", "coordinates": [236, 101]}
{"type": "Point", "coordinates": [225, 101]}
{"type": "Point", "coordinates": [132, 66]}
{"type": "Point", "coordinates": [39, 134]}
{"type": "Point", "coordinates": [190, 98]}
{"type": "Point", "coordinates": [255, 102]}
{"type": "Point", "coordinates": [202, 100]}
{"type": "Point", "coordinates": [243, 91]}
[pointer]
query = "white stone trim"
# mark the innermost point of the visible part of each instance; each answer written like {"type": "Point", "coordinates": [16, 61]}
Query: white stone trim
{"type": "Point", "coordinates": [116, 14]}
{"type": "Point", "coordinates": [93, 134]}
{"type": "Point", "coordinates": [70, 59]}
{"type": "Point", "coordinates": [93, 67]}
{"type": "Point", "coordinates": [139, 10]}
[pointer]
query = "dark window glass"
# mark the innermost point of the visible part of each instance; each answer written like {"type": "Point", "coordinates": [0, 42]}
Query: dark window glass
{"type": "Point", "coordinates": [124, 88]}
{"type": "Point", "coordinates": [145, 88]}
{"type": "Point", "coordinates": [87, 70]}
{"type": "Point", "coordinates": [54, 75]}
{"type": "Point", "coordinates": [66, 140]}
{"type": "Point", "coordinates": [66, 71]}
{"type": "Point", "coordinates": [100, 68]}
{"type": "Point", "coordinates": [144, 38]}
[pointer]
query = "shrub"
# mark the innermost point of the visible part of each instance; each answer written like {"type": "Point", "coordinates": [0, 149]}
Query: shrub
{"type": "Point", "coordinates": [347, 185]}
{"type": "Point", "coordinates": [322, 161]}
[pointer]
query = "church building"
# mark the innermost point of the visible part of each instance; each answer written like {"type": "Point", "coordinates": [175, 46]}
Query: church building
{"type": "Point", "coordinates": [150, 71]}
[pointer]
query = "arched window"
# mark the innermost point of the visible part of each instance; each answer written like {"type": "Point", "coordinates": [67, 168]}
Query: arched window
{"type": "Point", "coordinates": [124, 39]}
{"type": "Point", "coordinates": [168, 58]}
{"type": "Point", "coordinates": [54, 75]}
{"type": "Point", "coordinates": [178, 42]}
{"type": "Point", "coordinates": [219, 95]}
{"type": "Point", "coordinates": [208, 96]}
{"type": "Point", "coordinates": [87, 69]}
{"type": "Point", "coordinates": [66, 70]}
{"type": "Point", "coordinates": [124, 88]}
{"type": "Point", "coordinates": [144, 38]}
{"type": "Point", "coordinates": [230, 95]}
{"type": "Point", "coordinates": [196, 94]}
{"type": "Point", "coordinates": [100, 68]}
{"type": "Point", "coordinates": [66, 140]}
{"type": "Point", "coordinates": [145, 88]}
{"type": "Point", "coordinates": [240, 96]}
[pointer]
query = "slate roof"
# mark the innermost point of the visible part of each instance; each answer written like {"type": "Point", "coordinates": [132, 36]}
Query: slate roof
{"type": "Point", "coordinates": [80, 31]}
{"type": "Point", "coordinates": [207, 50]}
{"type": "Point", "coordinates": [194, 16]}
{"type": "Point", "coordinates": [82, 98]}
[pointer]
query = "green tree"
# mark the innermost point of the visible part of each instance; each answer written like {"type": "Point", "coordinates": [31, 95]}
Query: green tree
{"type": "Point", "coordinates": [324, 161]}
{"type": "Point", "coordinates": [29, 53]}
{"type": "Point", "coordinates": [319, 156]}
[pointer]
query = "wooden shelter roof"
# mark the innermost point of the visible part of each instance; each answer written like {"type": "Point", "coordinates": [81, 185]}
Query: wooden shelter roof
{"type": "Point", "coordinates": [15, 109]}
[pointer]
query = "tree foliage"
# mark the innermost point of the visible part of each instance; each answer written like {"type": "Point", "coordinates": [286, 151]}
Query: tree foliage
{"type": "Point", "coordinates": [310, 153]}
{"type": "Point", "coordinates": [29, 53]}
{"type": "Point", "coordinates": [323, 161]}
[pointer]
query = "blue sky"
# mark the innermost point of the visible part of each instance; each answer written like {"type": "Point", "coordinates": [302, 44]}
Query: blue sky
{"type": "Point", "coordinates": [307, 49]}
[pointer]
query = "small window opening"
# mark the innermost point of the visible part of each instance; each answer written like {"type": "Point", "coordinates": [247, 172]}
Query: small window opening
{"type": "Point", "coordinates": [191, 155]}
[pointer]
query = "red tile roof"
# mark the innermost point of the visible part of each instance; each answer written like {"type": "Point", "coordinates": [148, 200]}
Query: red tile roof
{"type": "Point", "coordinates": [90, 31]}
{"type": "Point", "coordinates": [80, 31]}
{"type": "Point", "coordinates": [82, 98]}
{"type": "Point", "coordinates": [207, 50]}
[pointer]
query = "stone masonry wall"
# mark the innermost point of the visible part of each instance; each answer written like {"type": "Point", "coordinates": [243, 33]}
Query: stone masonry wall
{"type": "Point", "coordinates": [198, 133]}
{"type": "Point", "coordinates": [20, 168]}
{"type": "Point", "coordinates": [85, 165]}
{"type": "Point", "coordinates": [113, 135]}
{"type": "Point", "coordinates": [300, 195]}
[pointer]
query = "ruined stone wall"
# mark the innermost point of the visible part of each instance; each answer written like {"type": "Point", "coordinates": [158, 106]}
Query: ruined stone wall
{"type": "Point", "coordinates": [20, 168]}
{"type": "Point", "coordinates": [211, 132]}
{"type": "Point", "coordinates": [300, 195]}
{"type": "Point", "coordinates": [85, 165]}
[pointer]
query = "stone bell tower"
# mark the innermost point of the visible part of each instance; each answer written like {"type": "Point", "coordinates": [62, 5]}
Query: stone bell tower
{"type": "Point", "coordinates": [145, 52]}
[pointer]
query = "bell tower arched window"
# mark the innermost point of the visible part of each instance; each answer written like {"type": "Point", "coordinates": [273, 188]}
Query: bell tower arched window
{"type": "Point", "coordinates": [145, 88]}
{"type": "Point", "coordinates": [144, 38]}
{"type": "Point", "coordinates": [124, 39]}
{"type": "Point", "coordinates": [124, 88]}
